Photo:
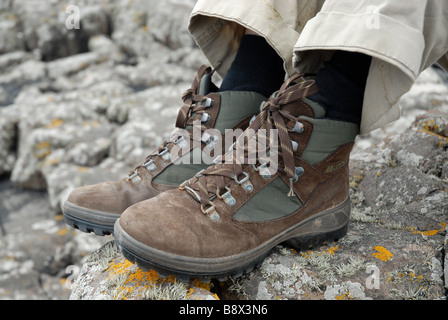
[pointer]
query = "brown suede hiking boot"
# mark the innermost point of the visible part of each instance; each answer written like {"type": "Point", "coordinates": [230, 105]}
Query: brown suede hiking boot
{"type": "Point", "coordinates": [201, 125]}
{"type": "Point", "coordinates": [226, 219]}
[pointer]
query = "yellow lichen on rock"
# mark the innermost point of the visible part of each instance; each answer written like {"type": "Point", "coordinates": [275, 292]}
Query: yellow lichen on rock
{"type": "Point", "coordinates": [128, 281]}
{"type": "Point", "coordinates": [430, 232]}
{"type": "Point", "coordinates": [133, 279]}
{"type": "Point", "coordinates": [55, 123]}
{"type": "Point", "coordinates": [309, 254]}
{"type": "Point", "coordinates": [383, 254]}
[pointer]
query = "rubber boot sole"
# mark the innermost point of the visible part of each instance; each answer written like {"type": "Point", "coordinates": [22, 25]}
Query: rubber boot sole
{"type": "Point", "coordinates": [88, 220]}
{"type": "Point", "coordinates": [325, 227]}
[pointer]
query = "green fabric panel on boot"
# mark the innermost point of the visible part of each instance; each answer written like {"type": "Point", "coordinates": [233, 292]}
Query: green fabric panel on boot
{"type": "Point", "coordinates": [236, 106]}
{"type": "Point", "coordinates": [272, 202]}
{"type": "Point", "coordinates": [319, 111]}
{"type": "Point", "coordinates": [184, 168]}
{"type": "Point", "coordinates": [327, 136]}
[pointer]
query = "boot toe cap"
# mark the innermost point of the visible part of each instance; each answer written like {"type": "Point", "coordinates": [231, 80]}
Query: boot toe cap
{"type": "Point", "coordinates": [100, 197]}
{"type": "Point", "coordinates": [173, 222]}
{"type": "Point", "coordinates": [158, 223]}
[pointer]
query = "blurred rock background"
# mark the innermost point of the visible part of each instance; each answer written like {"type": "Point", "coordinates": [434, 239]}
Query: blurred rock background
{"type": "Point", "coordinates": [80, 106]}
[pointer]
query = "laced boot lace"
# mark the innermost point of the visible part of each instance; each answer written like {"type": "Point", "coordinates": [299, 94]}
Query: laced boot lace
{"type": "Point", "coordinates": [215, 180]}
{"type": "Point", "coordinates": [193, 114]}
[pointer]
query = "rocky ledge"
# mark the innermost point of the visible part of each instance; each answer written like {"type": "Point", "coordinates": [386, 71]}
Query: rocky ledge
{"type": "Point", "coordinates": [78, 106]}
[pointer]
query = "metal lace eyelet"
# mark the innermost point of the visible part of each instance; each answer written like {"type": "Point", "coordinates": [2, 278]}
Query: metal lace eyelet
{"type": "Point", "coordinates": [248, 186]}
{"type": "Point", "coordinates": [165, 154]}
{"type": "Point", "coordinates": [150, 165]}
{"type": "Point", "coordinates": [181, 142]}
{"type": "Point", "coordinates": [298, 127]}
{"type": "Point", "coordinates": [191, 190]}
{"type": "Point", "coordinates": [246, 177]}
{"type": "Point", "coordinates": [264, 172]}
{"type": "Point", "coordinates": [209, 102]}
{"type": "Point", "coordinates": [245, 183]}
{"type": "Point", "coordinates": [228, 198]}
{"type": "Point", "coordinates": [182, 185]}
{"type": "Point", "coordinates": [134, 177]}
{"type": "Point", "coordinates": [218, 195]}
{"type": "Point", "coordinates": [298, 173]}
{"type": "Point", "coordinates": [211, 213]}
{"type": "Point", "coordinates": [205, 117]}
{"type": "Point", "coordinates": [178, 140]}
{"type": "Point", "coordinates": [252, 119]}
{"type": "Point", "coordinates": [209, 140]}
{"type": "Point", "coordinates": [295, 145]}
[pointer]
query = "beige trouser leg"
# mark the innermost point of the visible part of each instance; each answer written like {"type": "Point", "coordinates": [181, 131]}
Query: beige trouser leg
{"type": "Point", "coordinates": [404, 38]}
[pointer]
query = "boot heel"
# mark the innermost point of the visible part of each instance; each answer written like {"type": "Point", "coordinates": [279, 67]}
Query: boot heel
{"type": "Point", "coordinates": [325, 227]}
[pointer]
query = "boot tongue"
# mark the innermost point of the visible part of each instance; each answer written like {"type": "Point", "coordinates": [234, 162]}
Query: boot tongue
{"type": "Point", "coordinates": [205, 85]}
{"type": "Point", "coordinates": [306, 107]}
{"type": "Point", "coordinates": [300, 106]}
{"type": "Point", "coordinates": [235, 105]}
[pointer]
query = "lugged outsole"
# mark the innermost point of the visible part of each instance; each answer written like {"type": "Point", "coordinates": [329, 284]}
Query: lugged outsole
{"type": "Point", "coordinates": [299, 245]}
{"type": "Point", "coordinates": [186, 277]}
{"type": "Point", "coordinates": [87, 227]}
{"type": "Point", "coordinates": [87, 220]}
{"type": "Point", "coordinates": [315, 241]}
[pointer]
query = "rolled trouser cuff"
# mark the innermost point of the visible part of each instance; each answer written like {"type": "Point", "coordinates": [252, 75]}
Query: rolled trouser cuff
{"type": "Point", "coordinates": [215, 26]}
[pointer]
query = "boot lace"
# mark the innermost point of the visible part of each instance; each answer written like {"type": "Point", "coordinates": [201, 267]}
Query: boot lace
{"type": "Point", "coordinates": [192, 114]}
{"type": "Point", "coordinates": [213, 181]}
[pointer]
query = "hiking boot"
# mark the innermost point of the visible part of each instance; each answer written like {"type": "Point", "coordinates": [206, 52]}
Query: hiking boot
{"type": "Point", "coordinates": [201, 125]}
{"type": "Point", "coordinates": [226, 219]}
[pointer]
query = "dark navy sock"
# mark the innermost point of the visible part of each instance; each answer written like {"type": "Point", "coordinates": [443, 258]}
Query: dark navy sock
{"type": "Point", "coordinates": [257, 67]}
{"type": "Point", "coordinates": [341, 84]}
